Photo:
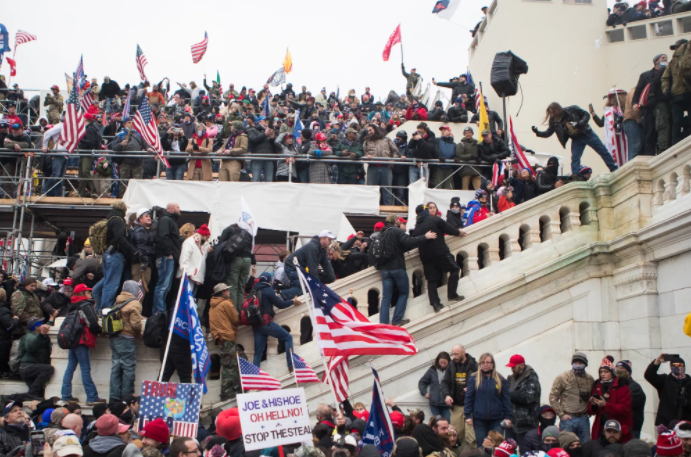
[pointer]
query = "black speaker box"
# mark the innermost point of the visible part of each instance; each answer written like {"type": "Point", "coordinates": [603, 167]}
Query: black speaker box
{"type": "Point", "coordinates": [506, 69]}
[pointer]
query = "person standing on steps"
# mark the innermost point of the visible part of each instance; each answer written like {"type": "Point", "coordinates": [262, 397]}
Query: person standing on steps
{"type": "Point", "coordinates": [436, 257]}
{"type": "Point", "coordinates": [453, 388]}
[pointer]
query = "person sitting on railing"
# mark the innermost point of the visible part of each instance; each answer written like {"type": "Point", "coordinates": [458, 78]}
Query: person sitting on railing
{"type": "Point", "coordinates": [128, 139]}
{"type": "Point", "coordinates": [496, 125]}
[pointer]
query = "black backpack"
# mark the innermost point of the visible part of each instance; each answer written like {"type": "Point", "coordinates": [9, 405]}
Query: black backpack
{"type": "Point", "coordinates": [155, 330]}
{"type": "Point", "coordinates": [71, 330]}
{"type": "Point", "coordinates": [380, 250]}
{"type": "Point", "coordinates": [221, 266]}
{"type": "Point", "coordinates": [234, 244]}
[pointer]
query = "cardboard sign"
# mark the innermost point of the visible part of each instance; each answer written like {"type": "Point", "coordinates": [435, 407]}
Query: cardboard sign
{"type": "Point", "coordinates": [176, 403]}
{"type": "Point", "coordinates": [273, 418]}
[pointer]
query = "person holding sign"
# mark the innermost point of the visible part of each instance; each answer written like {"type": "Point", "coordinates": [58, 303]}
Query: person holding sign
{"type": "Point", "coordinates": [224, 321]}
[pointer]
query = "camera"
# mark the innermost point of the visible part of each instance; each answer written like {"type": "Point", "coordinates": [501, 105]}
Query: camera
{"type": "Point", "coordinates": [585, 397]}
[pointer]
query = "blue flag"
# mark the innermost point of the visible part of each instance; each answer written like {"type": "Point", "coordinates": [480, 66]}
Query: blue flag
{"type": "Point", "coordinates": [187, 326]}
{"type": "Point", "coordinates": [265, 105]}
{"type": "Point", "coordinates": [469, 77]}
{"type": "Point", "coordinates": [4, 40]}
{"type": "Point", "coordinates": [379, 430]}
{"type": "Point", "coordinates": [297, 131]}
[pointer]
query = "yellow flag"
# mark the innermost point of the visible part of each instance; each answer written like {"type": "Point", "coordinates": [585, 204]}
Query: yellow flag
{"type": "Point", "coordinates": [483, 124]}
{"type": "Point", "coordinates": [68, 78]}
{"type": "Point", "coordinates": [288, 62]}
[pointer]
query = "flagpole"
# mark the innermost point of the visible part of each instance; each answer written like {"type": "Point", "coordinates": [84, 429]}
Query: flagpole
{"type": "Point", "coordinates": [294, 373]}
{"type": "Point", "coordinates": [316, 333]}
{"type": "Point", "coordinates": [237, 357]}
{"type": "Point", "coordinates": [401, 35]}
{"type": "Point", "coordinates": [172, 324]}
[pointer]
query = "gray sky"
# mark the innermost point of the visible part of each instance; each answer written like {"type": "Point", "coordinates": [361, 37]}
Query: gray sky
{"type": "Point", "coordinates": [332, 42]}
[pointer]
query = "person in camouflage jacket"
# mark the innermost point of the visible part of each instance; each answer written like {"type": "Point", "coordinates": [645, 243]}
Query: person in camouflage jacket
{"type": "Point", "coordinates": [25, 304]}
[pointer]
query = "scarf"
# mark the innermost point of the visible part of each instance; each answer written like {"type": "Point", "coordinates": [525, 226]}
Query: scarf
{"type": "Point", "coordinates": [679, 372]}
{"type": "Point", "coordinates": [199, 140]}
{"type": "Point", "coordinates": [230, 144]}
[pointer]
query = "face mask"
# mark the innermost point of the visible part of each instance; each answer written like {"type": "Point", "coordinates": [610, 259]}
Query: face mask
{"type": "Point", "coordinates": [621, 373]}
{"type": "Point", "coordinates": [663, 64]}
{"type": "Point", "coordinates": [544, 423]}
{"type": "Point", "coordinates": [547, 447]}
{"type": "Point", "coordinates": [578, 368]}
{"type": "Point", "coordinates": [200, 132]}
{"type": "Point", "coordinates": [578, 452]}
{"type": "Point", "coordinates": [679, 372]}
{"type": "Point", "coordinates": [455, 210]}
{"type": "Point", "coordinates": [188, 122]}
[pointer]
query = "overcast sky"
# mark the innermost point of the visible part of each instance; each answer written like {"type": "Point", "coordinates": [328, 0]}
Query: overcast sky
{"type": "Point", "coordinates": [332, 42]}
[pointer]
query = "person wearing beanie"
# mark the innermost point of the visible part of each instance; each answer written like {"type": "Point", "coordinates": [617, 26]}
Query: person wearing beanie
{"type": "Point", "coordinates": [228, 426]}
{"type": "Point", "coordinates": [571, 444]}
{"type": "Point", "coordinates": [156, 434]}
{"type": "Point", "coordinates": [669, 387]}
{"type": "Point", "coordinates": [524, 390]}
{"type": "Point", "coordinates": [35, 368]}
{"type": "Point", "coordinates": [457, 113]}
{"type": "Point", "coordinates": [623, 371]}
{"type": "Point", "coordinates": [657, 136]}
{"type": "Point", "coordinates": [454, 216]}
{"type": "Point", "coordinates": [122, 346]}
{"type": "Point", "coordinates": [668, 443]}
{"type": "Point", "coordinates": [467, 151]}
{"type": "Point", "coordinates": [532, 442]}
{"type": "Point", "coordinates": [635, 448]}
{"type": "Point", "coordinates": [193, 257]}
{"type": "Point", "coordinates": [610, 440]}
{"type": "Point", "coordinates": [550, 438]}
{"type": "Point", "coordinates": [406, 447]}
{"type": "Point", "coordinates": [505, 198]}
{"type": "Point", "coordinates": [224, 321]}
{"type": "Point", "coordinates": [610, 399]}
{"type": "Point", "coordinates": [506, 448]}
{"type": "Point", "coordinates": [570, 396]}
{"type": "Point", "coordinates": [683, 431]}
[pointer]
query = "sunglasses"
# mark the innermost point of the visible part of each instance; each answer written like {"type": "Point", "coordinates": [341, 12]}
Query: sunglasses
{"type": "Point", "coordinates": [16, 126]}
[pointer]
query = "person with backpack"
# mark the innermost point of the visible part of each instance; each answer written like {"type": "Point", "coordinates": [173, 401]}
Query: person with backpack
{"type": "Point", "coordinates": [436, 257]}
{"type": "Point", "coordinates": [224, 321]}
{"type": "Point", "coordinates": [311, 256]}
{"type": "Point", "coordinates": [34, 355]}
{"type": "Point", "coordinates": [117, 249]}
{"type": "Point", "coordinates": [122, 345]}
{"type": "Point", "coordinates": [78, 334]}
{"type": "Point", "coordinates": [265, 298]}
{"type": "Point", "coordinates": [237, 255]}
{"type": "Point", "coordinates": [168, 245]}
{"type": "Point", "coordinates": [144, 258]}
{"type": "Point", "coordinates": [387, 254]}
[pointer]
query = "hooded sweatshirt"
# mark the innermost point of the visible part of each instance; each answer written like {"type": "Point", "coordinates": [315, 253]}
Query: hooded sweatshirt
{"type": "Point", "coordinates": [105, 445]}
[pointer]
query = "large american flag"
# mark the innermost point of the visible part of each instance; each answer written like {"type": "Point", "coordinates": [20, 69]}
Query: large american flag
{"type": "Point", "coordinates": [303, 372]}
{"type": "Point", "coordinates": [199, 49]}
{"type": "Point", "coordinates": [177, 404]}
{"type": "Point", "coordinates": [23, 37]}
{"type": "Point", "coordinates": [73, 129]}
{"type": "Point", "coordinates": [141, 63]}
{"type": "Point", "coordinates": [87, 99]}
{"type": "Point", "coordinates": [146, 126]}
{"type": "Point", "coordinates": [338, 375]}
{"type": "Point", "coordinates": [252, 377]}
{"type": "Point", "coordinates": [343, 330]}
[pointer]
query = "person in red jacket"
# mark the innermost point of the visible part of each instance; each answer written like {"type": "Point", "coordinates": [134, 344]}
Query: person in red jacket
{"type": "Point", "coordinates": [610, 400]}
{"type": "Point", "coordinates": [416, 112]}
{"type": "Point", "coordinates": [478, 209]}
{"type": "Point", "coordinates": [505, 199]}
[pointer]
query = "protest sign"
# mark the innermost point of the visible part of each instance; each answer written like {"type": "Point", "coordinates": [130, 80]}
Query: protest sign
{"type": "Point", "coordinates": [274, 418]}
{"type": "Point", "coordinates": [177, 404]}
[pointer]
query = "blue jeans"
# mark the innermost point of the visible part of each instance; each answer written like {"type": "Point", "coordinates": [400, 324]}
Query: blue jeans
{"type": "Point", "coordinates": [79, 355]}
{"type": "Point", "coordinates": [176, 172]}
{"type": "Point", "coordinates": [106, 290]}
{"type": "Point", "coordinates": [267, 165]}
{"type": "Point", "coordinates": [59, 168]}
{"type": "Point", "coordinates": [109, 103]}
{"type": "Point", "coordinates": [400, 179]}
{"type": "Point", "coordinates": [124, 361]}
{"type": "Point", "coordinates": [304, 176]}
{"type": "Point", "coordinates": [263, 332]}
{"type": "Point", "coordinates": [388, 279]}
{"type": "Point", "coordinates": [578, 145]}
{"type": "Point", "coordinates": [415, 173]}
{"type": "Point", "coordinates": [634, 137]}
{"type": "Point", "coordinates": [482, 428]}
{"type": "Point", "coordinates": [578, 425]}
{"type": "Point", "coordinates": [443, 411]}
{"type": "Point", "coordinates": [164, 266]}
{"type": "Point", "coordinates": [296, 290]}
{"type": "Point", "coordinates": [381, 176]}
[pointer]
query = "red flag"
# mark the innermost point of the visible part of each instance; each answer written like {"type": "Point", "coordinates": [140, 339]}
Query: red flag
{"type": "Point", "coordinates": [13, 66]}
{"type": "Point", "coordinates": [394, 39]}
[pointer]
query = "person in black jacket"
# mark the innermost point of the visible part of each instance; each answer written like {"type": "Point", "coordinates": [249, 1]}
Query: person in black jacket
{"type": "Point", "coordinates": [239, 267]}
{"type": "Point", "coordinates": [420, 146]}
{"type": "Point", "coordinates": [655, 114]}
{"type": "Point", "coordinates": [391, 265]}
{"type": "Point", "coordinates": [674, 390]}
{"type": "Point", "coordinates": [261, 141]}
{"type": "Point", "coordinates": [110, 91]}
{"type": "Point", "coordinates": [455, 214]}
{"type": "Point", "coordinates": [311, 256]}
{"type": "Point", "coordinates": [268, 299]}
{"type": "Point", "coordinates": [118, 249]}
{"type": "Point", "coordinates": [460, 86]}
{"type": "Point", "coordinates": [458, 113]}
{"type": "Point", "coordinates": [174, 143]}
{"type": "Point", "coordinates": [572, 123]}
{"type": "Point", "coordinates": [524, 390]}
{"type": "Point", "coordinates": [8, 323]}
{"type": "Point", "coordinates": [436, 257]}
{"type": "Point", "coordinates": [491, 149]}
{"type": "Point", "coordinates": [532, 441]}
{"type": "Point", "coordinates": [144, 258]}
{"type": "Point", "coordinates": [496, 125]}
{"type": "Point", "coordinates": [168, 246]}
{"type": "Point", "coordinates": [92, 140]}
{"type": "Point", "coordinates": [623, 371]}
{"type": "Point", "coordinates": [430, 386]}
{"type": "Point", "coordinates": [179, 355]}
{"type": "Point", "coordinates": [58, 301]}
{"type": "Point", "coordinates": [14, 432]}
{"type": "Point", "coordinates": [548, 179]}
{"type": "Point", "coordinates": [453, 388]}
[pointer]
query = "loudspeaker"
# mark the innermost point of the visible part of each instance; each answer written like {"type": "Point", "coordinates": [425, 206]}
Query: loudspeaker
{"type": "Point", "coordinates": [506, 69]}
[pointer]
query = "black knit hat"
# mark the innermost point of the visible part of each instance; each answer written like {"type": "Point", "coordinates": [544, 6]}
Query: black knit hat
{"type": "Point", "coordinates": [635, 448]}
{"type": "Point", "coordinates": [419, 209]}
{"type": "Point", "coordinates": [455, 201]}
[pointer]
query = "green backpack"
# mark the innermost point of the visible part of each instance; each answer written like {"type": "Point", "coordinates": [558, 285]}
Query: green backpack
{"type": "Point", "coordinates": [112, 323]}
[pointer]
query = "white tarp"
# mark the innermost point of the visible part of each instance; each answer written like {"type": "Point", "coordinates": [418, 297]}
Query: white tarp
{"type": "Point", "coordinates": [345, 229]}
{"type": "Point", "coordinates": [419, 193]}
{"type": "Point", "coordinates": [304, 208]}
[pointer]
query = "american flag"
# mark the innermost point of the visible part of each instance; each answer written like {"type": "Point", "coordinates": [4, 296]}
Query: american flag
{"type": "Point", "coordinates": [73, 129]}
{"type": "Point", "coordinates": [498, 173]}
{"type": "Point", "coordinates": [266, 112]}
{"type": "Point", "coordinates": [23, 37]}
{"type": "Point", "coordinates": [140, 293]}
{"type": "Point", "coordinates": [199, 49]}
{"type": "Point", "coordinates": [252, 377]}
{"type": "Point", "coordinates": [343, 330]}
{"type": "Point", "coordinates": [517, 151]}
{"type": "Point", "coordinates": [87, 99]}
{"type": "Point", "coordinates": [146, 126]}
{"type": "Point", "coordinates": [126, 109]}
{"type": "Point", "coordinates": [22, 277]}
{"type": "Point", "coordinates": [177, 404]}
{"type": "Point", "coordinates": [338, 375]}
{"type": "Point", "coordinates": [278, 78]}
{"type": "Point", "coordinates": [141, 63]}
{"type": "Point", "coordinates": [303, 372]}
{"type": "Point", "coordinates": [80, 77]}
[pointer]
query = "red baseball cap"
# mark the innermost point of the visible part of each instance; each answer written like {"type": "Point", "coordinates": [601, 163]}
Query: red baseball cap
{"type": "Point", "coordinates": [397, 419]}
{"type": "Point", "coordinates": [67, 282]}
{"type": "Point", "coordinates": [515, 360]}
{"type": "Point", "coordinates": [80, 288]}
{"type": "Point", "coordinates": [444, 127]}
{"type": "Point", "coordinates": [402, 220]}
{"type": "Point", "coordinates": [378, 226]}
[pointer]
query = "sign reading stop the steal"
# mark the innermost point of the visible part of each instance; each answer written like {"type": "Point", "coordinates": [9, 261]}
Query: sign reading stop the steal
{"type": "Point", "coordinates": [273, 418]}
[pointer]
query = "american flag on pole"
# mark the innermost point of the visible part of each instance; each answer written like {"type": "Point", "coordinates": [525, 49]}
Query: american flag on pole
{"type": "Point", "coordinates": [176, 403]}
{"type": "Point", "coordinates": [199, 49]}
{"type": "Point", "coordinates": [498, 173]}
{"type": "Point", "coordinates": [517, 151]}
{"type": "Point", "coordinates": [140, 293]}
{"type": "Point", "coordinates": [87, 99]}
{"type": "Point", "coordinates": [73, 129]}
{"type": "Point", "coordinates": [80, 77]}
{"type": "Point", "coordinates": [303, 372]}
{"type": "Point", "coordinates": [126, 109]}
{"type": "Point", "coordinates": [141, 63]}
{"type": "Point", "coordinates": [252, 377]}
{"type": "Point", "coordinates": [343, 330]}
{"type": "Point", "coordinates": [146, 126]}
{"type": "Point", "coordinates": [338, 375]}
{"type": "Point", "coordinates": [23, 37]}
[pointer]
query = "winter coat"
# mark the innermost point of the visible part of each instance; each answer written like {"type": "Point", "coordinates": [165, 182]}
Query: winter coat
{"type": "Point", "coordinates": [116, 234]}
{"type": "Point", "coordinates": [109, 89]}
{"type": "Point", "coordinates": [674, 80]}
{"type": "Point", "coordinates": [571, 114]}
{"type": "Point", "coordinates": [467, 151]}
{"type": "Point", "coordinates": [545, 182]}
{"type": "Point", "coordinates": [319, 172]}
{"type": "Point", "coordinates": [131, 314]}
{"type": "Point", "coordinates": [445, 149]}
{"type": "Point", "coordinates": [411, 79]}
{"type": "Point", "coordinates": [245, 250]}
{"type": "Point", "coordinates": [487, 402]}
{"type": "Point", "coordinates": [491, 152]}
{"type": "Point", "coordinates": [104, 446]}
{"type": "Point", "coordinates": [85, 266]}
{"type": "Point", "coordinates": [674, 395]}
{"type": "Point", "coordinates": [398, 242]}
{"type": "Point", "coordinates": [25, 305]}
{"type": "Point", "coordinates": [380, 148]}
{"type": "Point", "coordinates": [436, 114]}
{"type": "Point", "coordinates": [92, 138]}
{"type": "Point", "coordinates": [525, 399]}
{"type": "Point", "coordinates": [655, 94]}
{"type": "Point", "coordinates": [167, 236]}
{"type": "Point", "coordinates": [454, 220]}
{"type": "Point", "coordinates": [474, 213]}
{"type": "Point", "coordinates": [422, 148]}
{"type": "Point", "coordinates": [204, 148]}
{"type": "Point", "coordinates": [88, 319]}
{"type": "Point", "coordinates": [503, 204]}
{"type": "Point", "coordinates": [311, 256]}
{"type": "Point", "coordinates": [8, 323]}
{"type": "Point", "coordinates": [565, 396]}
{"type": "Point", "coordinates": [431, 380]}
{"type": "Point", "coordinates": [11, 438]}
{"type": "Point", "coordinates": [594, 447]}
{"type": "Point", "coordinates": [349, 170]}
{"type": "Point", "coordinates": [459, 89]}
{"type": "Point", "coordinates": [56, 301]}
{"type": "Point", "coordinates": [269, 299]}
{"type": "Point", "coordinates": [193, 259]}
{"type": "Point", "coordinates": [142, 240]}
{"type": "Point", "coordinates": [134, 143]}
{"type": "Point", "coordinates": [436, 247]}
{"type": "Point", "coordinates": [532, 441]}
{"type": "Point", "coordinates": [494, 121]}
{"type": "Point", "coordinates": [36, 348]}
{"type": "Point", "coordinates": [456, 379]}
{"type": "Point", "coordinates": [637, 402]}
{"type": "Point", "coordinates": [458, 114]}
{"type": "Point", "coordinates": [259, 142]}
{"type": "Point", "coordinates": [223, 318]}
{"type": "Point", "coordinates": [283, 168]}
{"type": "Point", "coordinates": [419, 113]}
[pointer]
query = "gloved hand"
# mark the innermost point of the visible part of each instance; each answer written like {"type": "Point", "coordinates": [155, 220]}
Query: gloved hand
{"type": "Point", "coordinates": [534, 129]}
{"type": "Point", "coordinates": [318, 153]}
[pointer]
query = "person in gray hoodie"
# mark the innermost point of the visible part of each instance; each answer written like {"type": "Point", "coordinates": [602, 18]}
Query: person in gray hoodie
{"type": "Point", "coordinates": [430, 386]}
{"type": "Point", "coordinates": [108, 442]}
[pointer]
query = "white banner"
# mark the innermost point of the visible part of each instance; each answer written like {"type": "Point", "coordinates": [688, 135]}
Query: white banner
{"type": "Point", "coordinates": [419, 194]}
{"type": "Point", "coordinates": [273, 418]}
